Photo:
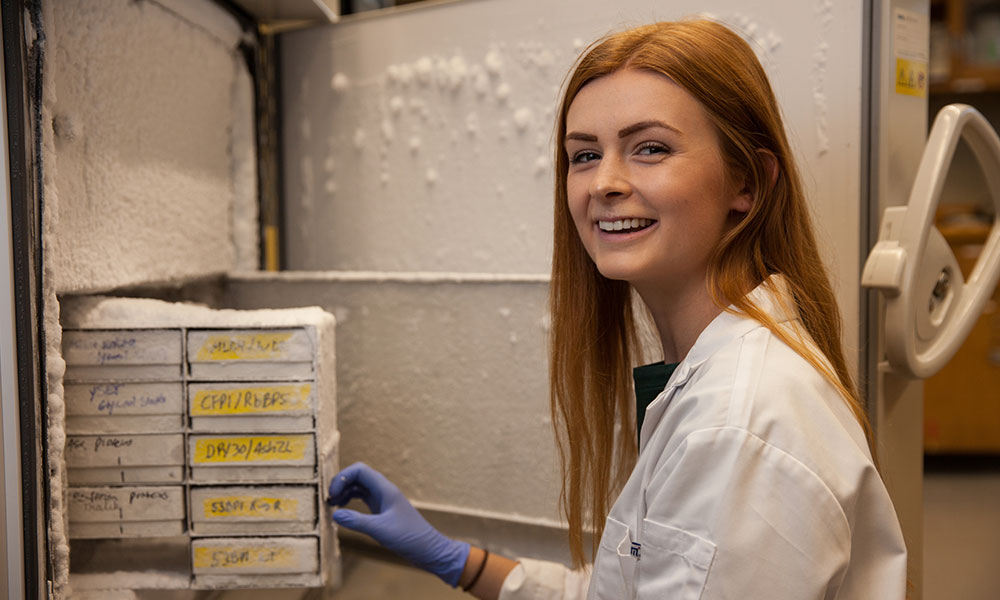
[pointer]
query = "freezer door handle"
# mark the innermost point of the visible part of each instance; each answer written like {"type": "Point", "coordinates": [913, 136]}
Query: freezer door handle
{"type": "Point", "coordinates": [929, 308]}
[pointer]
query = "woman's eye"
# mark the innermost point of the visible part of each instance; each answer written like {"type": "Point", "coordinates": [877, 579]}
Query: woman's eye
{"type": "Point", "coordinates": [584, 156]}
{"type": "Point", "coordinates": [649, 148]}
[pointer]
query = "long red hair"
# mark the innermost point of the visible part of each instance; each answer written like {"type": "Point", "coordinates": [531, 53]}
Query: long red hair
{"type": "Point", "coordinates": [594, 340]}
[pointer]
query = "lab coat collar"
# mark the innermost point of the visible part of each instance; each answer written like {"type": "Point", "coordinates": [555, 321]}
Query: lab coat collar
{"type": "Point", "coordinates": [772, 296]}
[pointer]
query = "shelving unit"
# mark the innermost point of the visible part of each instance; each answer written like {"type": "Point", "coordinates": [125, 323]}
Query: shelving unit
{"type": "Point", "coordinates": [955, 68]}
{"type": "Point", "coordinates": [206, 443]}
{"type": "Point", "coordinates": [961, 413]}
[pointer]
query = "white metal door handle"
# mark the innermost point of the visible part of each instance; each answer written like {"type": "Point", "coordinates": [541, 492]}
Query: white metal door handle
{"type": "Point", "coordinates": [930, 309]}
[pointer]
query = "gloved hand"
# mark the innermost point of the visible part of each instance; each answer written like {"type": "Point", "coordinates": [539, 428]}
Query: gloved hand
{"type": "Point", "coordinates": [394, 522]}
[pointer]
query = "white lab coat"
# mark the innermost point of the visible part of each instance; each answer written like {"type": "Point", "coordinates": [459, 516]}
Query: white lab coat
{"type": "Point", "coordinates": [754, 480]}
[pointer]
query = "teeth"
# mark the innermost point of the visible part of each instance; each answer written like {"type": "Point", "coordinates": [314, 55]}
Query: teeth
{"type": "Point", "coordinates": [623, 224]}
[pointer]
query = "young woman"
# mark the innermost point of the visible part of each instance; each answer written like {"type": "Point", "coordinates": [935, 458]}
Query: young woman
{"type": "Point", "coordinates": [753, 476]}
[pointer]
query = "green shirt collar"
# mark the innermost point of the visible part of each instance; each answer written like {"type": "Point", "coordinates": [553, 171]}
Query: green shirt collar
{"type": "Point", "coordinates": [649, 382]}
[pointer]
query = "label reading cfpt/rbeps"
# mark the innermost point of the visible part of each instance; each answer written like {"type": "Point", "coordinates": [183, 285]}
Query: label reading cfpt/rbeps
{"type": "Point", "coordinates": [268, 448]}
{"type": "Point", "coordinates": [257, 345]}
{"type": "Point", "coordinates": [250, 400]}
{"type": "Point", "coordinates": [244, 557]}
{"type": "Point", "coordinates": [251, 506]}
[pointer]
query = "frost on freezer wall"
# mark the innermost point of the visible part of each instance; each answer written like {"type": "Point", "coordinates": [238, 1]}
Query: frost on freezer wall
{"type": "Point", "coordinates": [149, 119]}
{"type": "Point", "coordinates": [437, 161]}
{"type": "Point", "coordinates": [420, 141]}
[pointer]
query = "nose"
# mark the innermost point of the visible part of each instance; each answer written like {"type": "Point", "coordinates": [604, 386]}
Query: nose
{"type": "Point", "coordinates": [610, 181]}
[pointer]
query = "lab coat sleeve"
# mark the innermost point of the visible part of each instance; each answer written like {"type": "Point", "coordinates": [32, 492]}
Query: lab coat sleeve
{"type": "Point", "coordinates": [543, 580]}
{"type": "Point", "coordinates": [731, 516]}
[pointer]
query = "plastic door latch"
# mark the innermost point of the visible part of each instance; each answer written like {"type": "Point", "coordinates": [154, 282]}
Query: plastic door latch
{"type": "Point", "coordinates": [929, 308]}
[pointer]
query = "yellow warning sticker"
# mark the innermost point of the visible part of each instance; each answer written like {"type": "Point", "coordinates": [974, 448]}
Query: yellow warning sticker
{"type": "Point", "coordinates": [250, 400]}
{"type": "Point", "coordinates": [260, 345]}
{"type": "Point", "coordinates": [244, 557]}
{"type": "Point", "coordinates": [251, 506]}
{"type": "Point", "coordinates": [268, 448]}
{"type": "Point", "coordinates": [911, 77]}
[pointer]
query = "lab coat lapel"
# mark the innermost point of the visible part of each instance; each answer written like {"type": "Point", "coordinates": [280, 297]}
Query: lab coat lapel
{"type": "Point", "coordinates": [771, 296]}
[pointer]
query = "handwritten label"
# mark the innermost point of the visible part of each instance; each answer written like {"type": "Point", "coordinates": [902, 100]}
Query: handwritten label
{"type": "Point", "coordinates": [251, 506]}
{"type": "Point", "coordinates": [125, 503]}
{"type": "Point", "coordinates": [250, 400]}
{"type": "Point", "coordinates": [108, 406]}
{"type": "Point", "coordinates": [106, 350]}
{"type": "Point", "coordinates": [94, 500]}
{"type": "Point", "coordinates": [124, 450]}
{"type": "Point", "coordinates": [244, 346]}
{"type": "Point", "coordinates": [244, 557]}
{"type": "Point", "coordinates": [97, 443]}
{"type": "Point", "coordinates": [121, 347]}
{"type": "Point", "coordinates": [271, 448]}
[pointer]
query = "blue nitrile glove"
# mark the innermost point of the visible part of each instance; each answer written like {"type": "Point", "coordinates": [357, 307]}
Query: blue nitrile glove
{"type": "Point", "coordinates": [394, 522]}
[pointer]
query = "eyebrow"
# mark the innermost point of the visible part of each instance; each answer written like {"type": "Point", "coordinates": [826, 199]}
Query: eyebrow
{"type": "Point", "coordinates": [623, 132]}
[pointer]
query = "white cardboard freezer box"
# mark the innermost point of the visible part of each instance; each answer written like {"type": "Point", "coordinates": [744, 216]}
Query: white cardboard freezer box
{"type": "Point", "coordinates": [252, 406]}
{"type": "Point", "coordinates": [250, 354]}
{"type": "Point", "coordinates": [257, 562]}
{"type": "Point", "coordinates": [125, 458]}
{"type": "Point", "coordinates": [229, 510]}
{"type": "Point", "coordinates": [253, 457]}
{"type": "Point", "coordinates": [122, 355]}
{"type": "Point", "coordinates": [121, 407]}
{"type": "Point", "coordinates": [132, 511]}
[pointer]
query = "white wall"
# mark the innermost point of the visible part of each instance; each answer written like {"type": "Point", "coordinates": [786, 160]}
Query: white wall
{"type": "Point", "coordinates": [419, 141]}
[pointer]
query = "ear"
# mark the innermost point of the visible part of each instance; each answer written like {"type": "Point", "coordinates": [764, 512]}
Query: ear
{"type": "Point", "coordinates": [744, 201]}
{"type": "Point", "coordinates": [770, 165]}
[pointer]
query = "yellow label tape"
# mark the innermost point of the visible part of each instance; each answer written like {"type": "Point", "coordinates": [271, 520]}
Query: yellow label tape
{"type": "Point", "coordinates": [250, 400]}
{"type": "Point", "coordinates": [911, 77]}
{"type": "Point", "coordinates": [251, 506]}
{"type": "Point", "coordinates": [267, 448]}
{"type": "Point", "coordinates": [244, 346]}
{"type": "Point", "coordinates": [243, 557]}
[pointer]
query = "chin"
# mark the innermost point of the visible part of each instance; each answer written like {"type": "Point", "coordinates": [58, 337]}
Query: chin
{"type": "Point", "coordinates": [616, 273]}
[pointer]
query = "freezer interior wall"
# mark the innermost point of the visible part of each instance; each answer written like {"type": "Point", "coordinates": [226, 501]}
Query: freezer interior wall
{"type": "Point", "coordinates": [148, 150]}
{"type": "Point", "coordinates": [418, 166]}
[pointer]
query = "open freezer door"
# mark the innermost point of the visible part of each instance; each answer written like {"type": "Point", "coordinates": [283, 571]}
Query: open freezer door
{"type": "Point", "coordinates": [929, 308]}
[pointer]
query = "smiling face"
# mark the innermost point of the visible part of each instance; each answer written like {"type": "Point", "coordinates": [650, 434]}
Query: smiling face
{"type": "Point", "coordinates": [646, 185]}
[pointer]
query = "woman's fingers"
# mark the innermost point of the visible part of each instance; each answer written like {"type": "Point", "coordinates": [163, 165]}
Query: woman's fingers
{"type": "Point", "coordinates": [352, 519]}
{"type": "Point", "coordinates": [359, 481]}
{"type": "Point", "coordinates": [343, 482]}
{"type": "Point", "coordinates": [352, 492]}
